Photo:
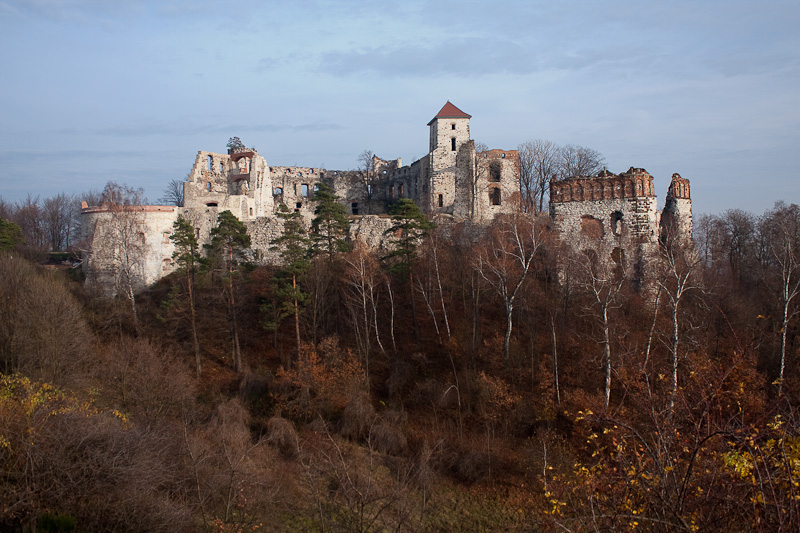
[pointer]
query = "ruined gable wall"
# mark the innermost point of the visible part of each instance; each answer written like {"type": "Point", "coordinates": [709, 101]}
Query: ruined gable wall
{"type": "Point", "coordinates": [238, 182]}
{"type": "Point", "coordinates": [624, 206]}
{"type": "Point", "coordinates": [497, 173]}
{"type": "Point", "coordinates": [677, 213]}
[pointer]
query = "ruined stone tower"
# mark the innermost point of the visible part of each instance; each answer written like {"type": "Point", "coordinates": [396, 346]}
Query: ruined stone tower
{"type": "Point", "coordinates": [449, 132]}
{"type": "Point", "coordinates": [676, 218]}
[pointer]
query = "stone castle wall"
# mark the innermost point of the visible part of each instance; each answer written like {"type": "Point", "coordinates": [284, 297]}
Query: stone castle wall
{"type": "Point", "coordinates": [453, 182]}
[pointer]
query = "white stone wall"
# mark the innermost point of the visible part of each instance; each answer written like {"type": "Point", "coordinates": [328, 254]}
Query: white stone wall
{"type": "Point", "coordinates": [134, 239]}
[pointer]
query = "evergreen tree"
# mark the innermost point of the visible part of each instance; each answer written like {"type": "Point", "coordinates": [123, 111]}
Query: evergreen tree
{"type": "Point", "coordinates": [329, 226]}
{"type": "Point", "coordinates": [10, 235]}
{"type": "Point", "coordinates": [294, 247]}
{"type": "Point", "coordinates": [187, 258]}
{"type": "Point", "coordinates": [409, 227]}
{"type": "Point", "coordinates": [228, 248]}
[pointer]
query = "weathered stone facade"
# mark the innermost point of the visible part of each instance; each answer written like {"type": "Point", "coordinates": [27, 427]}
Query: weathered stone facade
{"type": "Point", "coordinates": [610, 212]}
{"type": "Point", "coordinates": [618, 215]}
{"type": "Point", "coordinates": [451, 180]}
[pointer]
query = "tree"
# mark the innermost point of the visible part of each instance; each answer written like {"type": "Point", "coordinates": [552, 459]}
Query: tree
{"type": "Point", "coordinates": [538, 162]}
{"type": "Point", "coordinates": [602, 278]}
{"type": "Point", "coordinates": [228, 248]}
{"type": "Point", "coordinates": [363, 278]}
{"type": "Point", "coordinates": [679, 264]}
{"type": "Point", "coordinates": [504, 261]}
{"type": "Point", "coordinates": [577, 161]}
{"type": "Point", "coordinates": [366, 168]}
{"type": "Point", "coordinates": [780, 229]}
{"type": "Point", "coordinates": [58, 219]}
{"type": "Point", "coordinates": [173, 193]}
{"type": "Point", "coordinates": [235, 143]}
{"type": "Point", "coordinates": [28, 216]}
{"type": "Point", "coordinates": [10, 235]}
{"type": "Point", "coordinates": [294, 248]}
{"type": "Point", "coordinates": [127, 239]}
{"type": "Point", "coordinates": [330, 225]}
{"type": "Point", "coordinates": [409, 227]}
{"type": "Point", "coordinates": [187, 257]}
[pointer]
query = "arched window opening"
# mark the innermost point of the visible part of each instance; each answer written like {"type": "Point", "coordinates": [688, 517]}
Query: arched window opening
{"type": "Point", "coordinates": [441, 200]}
{"type": "Point", "coordinates": [616, 223]}
{"type": "Point", "coordinates": [278, 191]}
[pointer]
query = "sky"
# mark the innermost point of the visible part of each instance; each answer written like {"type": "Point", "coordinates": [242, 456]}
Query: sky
{"type": "Point", "coordinates": [130, 91]}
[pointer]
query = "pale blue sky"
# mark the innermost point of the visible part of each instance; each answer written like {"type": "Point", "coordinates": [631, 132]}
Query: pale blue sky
{"type": "Point", "coordinates": [98, 90]}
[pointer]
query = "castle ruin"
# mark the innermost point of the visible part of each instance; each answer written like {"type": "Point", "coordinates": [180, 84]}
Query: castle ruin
{"type": "Point", "coordinates": [452, 182]}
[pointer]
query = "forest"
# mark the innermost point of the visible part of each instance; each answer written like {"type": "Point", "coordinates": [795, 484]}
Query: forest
{"type": "Point", "coordinates": [464, 379]}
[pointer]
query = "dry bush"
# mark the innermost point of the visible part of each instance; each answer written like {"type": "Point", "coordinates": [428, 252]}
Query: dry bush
{"type": "Point", "coordinates": [387, 438]}
{"type": "Point", "coordinates": [470, 466]}
{"type": "Point", "coordinates": [353, 489]}
{"type": "Point", "coordinates": [357, 418]}
{"type": "Point", "coordinates": [321, 382]}
{"type": "Point", "coordinates": [236, 481]}
{"type": "Point", "coordinates": [42, 330]}
{"type": "Point", "coordinates": [63, 455]}
{"type": "Point", "coordinates": [282, 435]}
{"type": "Point", "coordinates": [147, 382]}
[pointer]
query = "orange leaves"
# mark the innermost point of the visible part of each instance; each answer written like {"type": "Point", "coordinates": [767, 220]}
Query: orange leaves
{"type": "Point", "coordinates": [322, 381]}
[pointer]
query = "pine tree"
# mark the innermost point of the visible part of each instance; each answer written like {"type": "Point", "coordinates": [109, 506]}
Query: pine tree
{"type": "Point", "coordinates": [409, 227]}
{"type": "Point", "coordinates": [187, 258]}
{"type": "Point", "coordinates": [228, 248]}
{"type": "Point", "coordinates": [330, 225]}
{"type": "Point", "coordinates": [294, 247]}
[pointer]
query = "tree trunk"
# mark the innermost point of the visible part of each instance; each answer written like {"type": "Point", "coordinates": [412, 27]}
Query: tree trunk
{"type": "Point", "coordinates": [674, 357]}
{"type": "Point", "coordinates": [197, 359]}
{"type": "Point", "coordinates": [555, 360]}
{"type": "Point", "coordinates": [413, 306]}
{"type": "Point", "coordinates": [607, 356]}
{"type": "Point", "coordinates": [507, 339]}
{"type": "Point", "coordinates": [296, 314]}
{"type": "Point", "coordinates": [785, 324]}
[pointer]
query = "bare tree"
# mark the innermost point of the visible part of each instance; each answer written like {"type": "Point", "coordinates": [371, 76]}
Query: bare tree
{"type": "Point", "coordinates": [505, 260]}
{"type": "Point", "coordinates": [366, 168]}
{"type": "Point", "coordinates": [679, 276]}
{"type": "Point", "coordinates": [363, 278]}
{"type": "Point", "coordinates": [57, 214]}
{"type": "Point", "coordinates": [28, 216]}
{"type": "Point", "coordinates": [173, 193]}
{"type": "Point", "coordinates": [579, 161]}
{"type": "Point", "coordinates": [538, 162]}
{"type": "Point", "coordinates": [602, 278]}
{"type": "Point", "coordinates": [780, 229]}
{"type": "Point", "coordinates": [127, 239]}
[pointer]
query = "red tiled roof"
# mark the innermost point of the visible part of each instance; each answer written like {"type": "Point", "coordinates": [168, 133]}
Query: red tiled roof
{"type": "Point", "coordinates": [450, 111]}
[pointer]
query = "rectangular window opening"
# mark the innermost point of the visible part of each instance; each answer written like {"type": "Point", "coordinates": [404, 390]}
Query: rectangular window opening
{"type": "Point", "coordinates": [453, 144]}
{"type": "Point", "coordinates": [354, 208]}
{"type": "Point", "coordinates": [441, 200]}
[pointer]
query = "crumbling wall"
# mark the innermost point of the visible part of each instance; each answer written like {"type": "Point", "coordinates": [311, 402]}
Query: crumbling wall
{"type": "Point", "coordinates": [676, 217]}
